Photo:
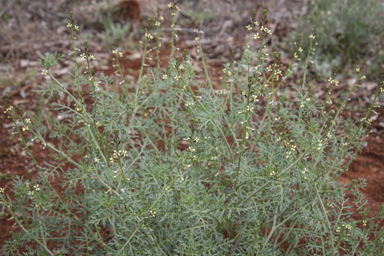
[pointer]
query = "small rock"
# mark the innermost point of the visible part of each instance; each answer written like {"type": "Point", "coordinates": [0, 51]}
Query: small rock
{"type": "Point", "coordinates": [351, 82]}
{"type": "Point", "coordinates": [219, 49]}
{"type": "Point", "coordinates": [237, 56]}
{"type": "Point", "coordinates": [369, 85]}
{"type": "Point", "coordinates": [24, 63]}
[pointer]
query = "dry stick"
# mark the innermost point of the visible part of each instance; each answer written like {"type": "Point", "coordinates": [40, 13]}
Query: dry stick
{"type": "Point", "coordinates": [235, 246]}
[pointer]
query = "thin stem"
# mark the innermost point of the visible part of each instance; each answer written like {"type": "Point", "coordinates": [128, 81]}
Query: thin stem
{"type": "Point", "coordinates": [324, 212]}
{"type": "Point", "coordinates": [205, 66]}
{"type": "Point", "coordinates": [141, 69]}
{"type": "Point", "coordinates": [306, 62]}
{"type": "Point", "coordinates": [26, 231]}
{"type": "Point", "coordinates": [212, 120]}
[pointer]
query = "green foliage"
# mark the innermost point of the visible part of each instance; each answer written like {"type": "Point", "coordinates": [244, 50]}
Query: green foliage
{"type": "Point", "coordinates": [347, 31]}
{"type": "Point", "coordinates": [200, 11]}
{"type": "Point", "coordinates": [168, 170]}
{"type": "Point", "coordinates": [116, 33]}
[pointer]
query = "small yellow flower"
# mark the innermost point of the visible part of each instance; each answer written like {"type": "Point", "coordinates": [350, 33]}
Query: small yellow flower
{"type": "Point", "coordinates": [170, 5]}
{"type": "Point", "coordinates": [312, 37]}
{"type": "Point", "coordinates": [44, 72]}
{"type": "Point", "coordinates": [76, 27]}
{"type": "Point", "coordinates": [2, 190]}
{"type": "Point", "coordinates": [149, 36]}
{"type": "Point", "coordinates": [69, 25]}
{"type": "Point", "coordinates": [249, 27]}
{"type": "Point", "coordinates": [266, 30]}
{"type": "Point", "coordinates": [256, 36]}
{"type": "Point", "coordinates": [165, 77]}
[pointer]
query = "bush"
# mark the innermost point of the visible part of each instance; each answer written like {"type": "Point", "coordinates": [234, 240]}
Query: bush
{"type": "Point", "coordinates": [177, 168]}
{"type": "Point", "coordinates": [348, 31]}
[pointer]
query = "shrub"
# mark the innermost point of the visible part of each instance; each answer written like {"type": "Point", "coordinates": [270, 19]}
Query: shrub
{"type": "Point", "coordinates": [177, 168]}
{"type": "Point", "coordinates": [348, 31]}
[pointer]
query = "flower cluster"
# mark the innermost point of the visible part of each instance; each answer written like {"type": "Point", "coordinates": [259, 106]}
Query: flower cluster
{"type": "Point", "coordinates": [84, 56]}
{"type": "Point", "coordinates": [32, 193]}
{"type": "Point", "coordinates": [158, 23]}
{"type": "Point", "coordinates": [291, 149]}
{"type": "Point", "coordinates": [332, 81]}
{"type": "Point", "coordinates": [26, 127]}
{"type": "Point", "coordinates": [116, 154]}
{"type": "Point", "coordinates": [8, 111]}
{"type": "Point", "coordinates": [148, 36]}
{"type": "Point", "coordinates": [75, 27]}
{"type": "Point", "coordinates": [266, 30]}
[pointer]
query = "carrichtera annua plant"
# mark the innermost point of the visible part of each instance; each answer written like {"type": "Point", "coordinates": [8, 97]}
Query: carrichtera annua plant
{"type": "Point", "coordinates": [176, 167]}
